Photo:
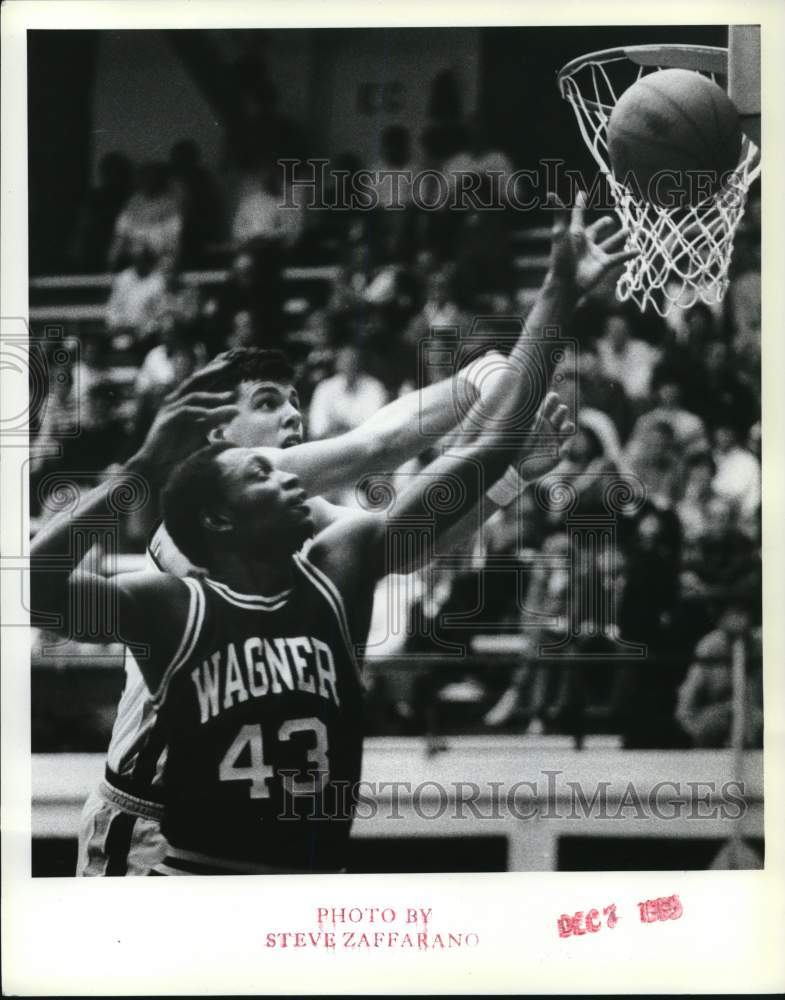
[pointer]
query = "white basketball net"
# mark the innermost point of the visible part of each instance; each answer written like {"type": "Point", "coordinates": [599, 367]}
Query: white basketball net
{"type": "Point", "coordinates": [685, 252]}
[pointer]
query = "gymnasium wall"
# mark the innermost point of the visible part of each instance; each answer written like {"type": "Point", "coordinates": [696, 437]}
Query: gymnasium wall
{"type": "Point", "coordinates": [144, 100]}
{"type": "Point", "coordinates": [370, 79]}
{"type": "Point", "coordinates": [343, 87]}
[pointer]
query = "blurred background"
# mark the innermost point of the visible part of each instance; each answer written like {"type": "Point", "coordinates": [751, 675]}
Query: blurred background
{"type": "Point", "coordinates": [162, 230]}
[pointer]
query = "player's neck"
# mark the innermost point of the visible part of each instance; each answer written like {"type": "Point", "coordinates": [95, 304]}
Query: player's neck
{"type": "Point", "coordinates": [251, 576]}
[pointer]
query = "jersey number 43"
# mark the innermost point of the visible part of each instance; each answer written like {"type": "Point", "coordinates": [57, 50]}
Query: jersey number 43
{"type": "Point", "coordinates": [260, 774]}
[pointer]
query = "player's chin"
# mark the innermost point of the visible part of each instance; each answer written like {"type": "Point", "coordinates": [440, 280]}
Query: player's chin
{"type": "Point", "coordinates": [303, 522]}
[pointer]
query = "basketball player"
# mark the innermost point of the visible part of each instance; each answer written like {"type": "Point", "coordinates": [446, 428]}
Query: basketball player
{"type": "Point", "coordinates": [120, 827]}
{"type": "Point", "coordinates": [221, 496]}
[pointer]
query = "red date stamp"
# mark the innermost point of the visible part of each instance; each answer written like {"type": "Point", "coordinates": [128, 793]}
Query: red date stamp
{"type": "Point", "coordinates": [587, 922]}
{"type": "Point", "coordinates": [663, 908]}
{"type": "Point", "coordinates": [591, 921]}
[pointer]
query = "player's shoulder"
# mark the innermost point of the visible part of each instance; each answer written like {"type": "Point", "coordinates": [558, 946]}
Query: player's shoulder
{"type": "Point", "coordinates": [344, 523]}
{"type": "Point", "coordinates": [163, 556]}
{"type": "Point", "coordinates": [345, 538]}
{"type": "Point", "coordinates": [151, 586]}
{"type": "Point", "coordinates": [324, 513]}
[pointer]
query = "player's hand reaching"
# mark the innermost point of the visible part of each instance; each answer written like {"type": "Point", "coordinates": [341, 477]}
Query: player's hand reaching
{"type": "Point", "coordinates": [201, 379]}
{"type": "Point", "coordinates": [552, 428]}
{"type": "Point", "coordinates": [181, 427]}
{"type": "Point", "coordinates": [580, 257]}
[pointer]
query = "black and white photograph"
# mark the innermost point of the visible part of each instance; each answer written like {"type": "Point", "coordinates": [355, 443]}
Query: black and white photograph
{"type": "Point", "coordinates": [391, 471]}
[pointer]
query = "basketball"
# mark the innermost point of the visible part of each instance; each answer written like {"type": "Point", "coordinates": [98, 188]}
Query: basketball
{"type": "Point", "coordinates": [672, 136]}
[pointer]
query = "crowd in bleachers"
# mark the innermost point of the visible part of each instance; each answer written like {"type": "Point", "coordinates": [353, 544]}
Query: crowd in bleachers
{"type": "Point", "coordinates": [674, 402]}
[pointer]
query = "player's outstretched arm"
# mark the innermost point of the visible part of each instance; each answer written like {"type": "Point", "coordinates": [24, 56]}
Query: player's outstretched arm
{"type": "Point", "coordinates": [393, 435]}
{"type": "Point", "coordinates": [580, 257]}
{"type": "Point", "coordinates": [359, 551]}
{"type": "Point", "coordinates": [68, 596]}
{"type": "Point", "coordinates": [71, 599]}
{"type": "Point", "coordinates": [539, 456]}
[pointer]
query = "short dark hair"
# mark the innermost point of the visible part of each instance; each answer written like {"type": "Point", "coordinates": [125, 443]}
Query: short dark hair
{"type": "Point", "coordinates": [193, 486]}
{"type": "Point", "coordinates": [250, 364]}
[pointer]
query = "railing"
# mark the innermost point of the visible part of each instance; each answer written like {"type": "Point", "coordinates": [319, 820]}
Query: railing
{"type": "Point", "coordinates": [583, 704]}
{"type": "Point", "coordinates": [531, 262]}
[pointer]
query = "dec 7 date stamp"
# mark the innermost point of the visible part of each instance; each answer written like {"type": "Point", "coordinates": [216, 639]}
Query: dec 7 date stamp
{"type": "Point", "coordinates": [650, 911]}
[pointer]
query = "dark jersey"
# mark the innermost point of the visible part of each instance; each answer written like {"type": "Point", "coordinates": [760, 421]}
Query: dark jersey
{"type": "Point", "coordinates": [261, 712]}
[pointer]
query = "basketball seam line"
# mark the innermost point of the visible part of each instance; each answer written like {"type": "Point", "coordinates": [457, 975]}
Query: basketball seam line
{"type": "Point", "coordinates": [681, 110]}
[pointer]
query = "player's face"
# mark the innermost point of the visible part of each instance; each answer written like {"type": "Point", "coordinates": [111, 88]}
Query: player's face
{"type": "Point", "coordinates": [269, 416]}
{"type": "Point", "coordinates": [264, 503]}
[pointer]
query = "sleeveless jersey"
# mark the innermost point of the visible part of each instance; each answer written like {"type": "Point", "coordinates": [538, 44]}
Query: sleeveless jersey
{"type": "Point", "coordinates": [261, 712]}
{"type": "Point", "coordinates": [137, 748]}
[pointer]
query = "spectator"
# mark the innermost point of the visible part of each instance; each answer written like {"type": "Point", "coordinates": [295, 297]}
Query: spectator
{"type": "Point", "coordinates": [534, 696]}
{"type": "Point", "coordinates": [88, 371]}
{"type": "Point", "coordinates": [648, 614]}
{"type": "Point", "coordinates": [440, 309]}
{"type": "Point", "coordinates": [103, 204]}
{"type": "Point", "coordinates": [718, 394]}
{"type": "Point", "coordinates": [477, 177]}
{"type": "Point", "coordinates": [434, 224]}
{"type": "Point", "coordinates": [347, 399]}
{"type": "Point", "coordinates": [336, 227]}
{"type": "Point", "coordinates": [705, 703]}
{"type": "Point", "coordinates": [164, 367]}
{"type": "Point", "coordinates": [243, 333]}
{"type": "Point", "coordinates": [566, 697]}
{"type": "Point", "coordinates": [738, 473]}
{"type": "Point", "coordinates": [106, 440]}
{"type": "Point", "coordinates": [395, 157]}
{"type": "Point", "coordinates": [254, 285]}
{"type": "Point", "coordinates": [691, 332]}
{"type": "Point", "coordinates": [688, 430]}
{"type": "Point", "coordinates": [626, 359]}
{"type": "Point", "coordinates": [653, 456]}
{"type": "Point", "coordinates": [152, 216]}
{"type": "Point", "coordinates": [480, 158]}
{"type": "Point", "coordinates": [693, 508]}
{"type": "Point", "coordinates": [700, 323]}
{"type": "Point", "coordinates": [266, 212]}
{"type": "Point", "coordinates": [135, 295]}
{"type": "Point", "coordinates": [347, 292]}
{"type": "Point", "coordinates": [688, 328]}
{"type": "Point", "coordinates": [593, 389]}
{"type": "Point", "coordinates": [482, 255]}
{"type": "Point", "coordinates": [200, 201]}
{"type": "Point", "coordinates": [176, 296]}
{"type": "Point", "coordinates": [723, 560]}
{"type": "Point", "coordinates": [586, 699]}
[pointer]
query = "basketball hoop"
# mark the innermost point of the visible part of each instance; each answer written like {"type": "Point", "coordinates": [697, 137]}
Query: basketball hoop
{"type": "Point", "coordinates": [685, 251]}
